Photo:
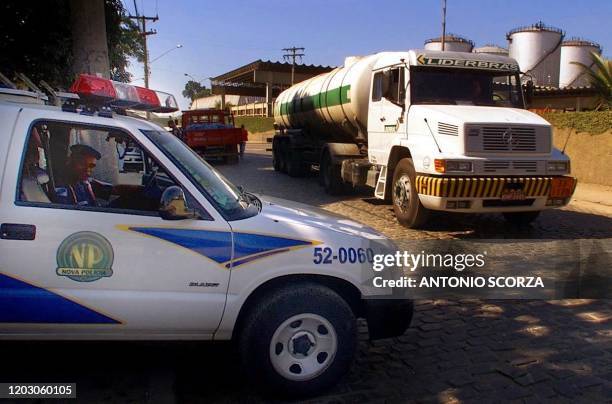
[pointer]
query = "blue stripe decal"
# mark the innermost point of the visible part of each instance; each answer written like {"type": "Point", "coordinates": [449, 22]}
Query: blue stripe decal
{"type": "Point", "coordinates": [21, 302]}
{"type": "Point", "coordinates": [248, 244]}
{"type": "Point", "coordinates": [217, 245]}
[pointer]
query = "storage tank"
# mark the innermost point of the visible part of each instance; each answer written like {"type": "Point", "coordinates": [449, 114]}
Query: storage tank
{"type": "Point", "coordinates": [491, 49]}
{"type": "Point", "coordinates": [452, 42]}
{"type": "Point", "coordinates": [537, 49]}
{"type": "Point", "coordinates": [576, 50]}
{"type": "Point", "coordinates": [333, 103]}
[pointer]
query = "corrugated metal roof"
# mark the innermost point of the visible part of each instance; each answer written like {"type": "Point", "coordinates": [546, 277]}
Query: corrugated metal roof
{"type": "Point", "coordinates": [268, 65]}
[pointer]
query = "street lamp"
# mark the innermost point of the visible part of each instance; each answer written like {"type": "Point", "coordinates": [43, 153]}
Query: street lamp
{"type": "Point", "coordinates": [178, 46]}
{"type": "Point", "coordinates": [191, 77]}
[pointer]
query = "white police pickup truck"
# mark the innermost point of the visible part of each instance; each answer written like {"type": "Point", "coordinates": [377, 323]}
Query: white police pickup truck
{"type": "Point", "coordinates": [175, 252]}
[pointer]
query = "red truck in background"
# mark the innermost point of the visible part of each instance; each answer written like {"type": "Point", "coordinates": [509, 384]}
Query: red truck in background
{"type": "Point", "coordinates": [212, 134]}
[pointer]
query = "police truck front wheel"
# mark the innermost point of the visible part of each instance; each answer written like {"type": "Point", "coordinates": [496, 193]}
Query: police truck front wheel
{"type": "Point", "coordinates": [406, 204]}
{"type": "Point", "coordinates": [298, 340]}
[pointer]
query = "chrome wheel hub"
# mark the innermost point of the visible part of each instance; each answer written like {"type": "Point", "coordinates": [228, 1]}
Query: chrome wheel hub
{"type": "Point", "coordinates": [303, 347]}
{"type": "Point", "coordinates": [402, 193]}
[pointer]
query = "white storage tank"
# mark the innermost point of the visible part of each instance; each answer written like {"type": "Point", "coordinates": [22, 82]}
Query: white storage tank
{"type": "Point", "coordinates": [491, 49]}
{"type": "Point", "coordinates": [452, 42]}
{"type": "Point", "coordinates": [576, 50]}
{"type": "Point", "coordinates": [537, 49]}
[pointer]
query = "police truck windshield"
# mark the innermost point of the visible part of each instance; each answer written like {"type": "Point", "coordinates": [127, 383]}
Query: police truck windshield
{"type": "Point", "coordinates": [231, 201]}
{"type": "Point", "coordinates": [442, 86]}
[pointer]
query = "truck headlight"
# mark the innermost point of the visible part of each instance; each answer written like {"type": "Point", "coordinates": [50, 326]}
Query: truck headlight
{"type": "Point", "coordinates": [445, 166]}
{"type": "Point", "coordinates": [558, 167]}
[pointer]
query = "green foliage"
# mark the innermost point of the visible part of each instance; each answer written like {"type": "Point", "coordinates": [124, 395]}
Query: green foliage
{"type": "Point", "coordinates": [37, 40]}
{"type": "Point", "coordinates": [600, 77]}
{"type": "Point", "coordinates": [255, 124]}
{"type": "Point", "coordinates": [194, 90]}
{"type": "Point", "coordinates": [588, 121]}
{"type": "Point", "coordinates": [124, 40]}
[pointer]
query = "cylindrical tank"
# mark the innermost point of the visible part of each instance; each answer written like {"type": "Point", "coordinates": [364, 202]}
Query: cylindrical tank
{"type": "Point", "coordinates": [576, 50]}
{"type": "Point", "coordinates": [491, 49]}
{"type": "Point", "coordinates": [452, 42]}
{"type": "Point", "coordinates": [333, 103]}
{"type": "Point", "coordinates": [537, 49]}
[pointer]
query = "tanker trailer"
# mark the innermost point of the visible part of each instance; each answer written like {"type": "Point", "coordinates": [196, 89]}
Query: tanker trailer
{"type": "Point", "coordinates": [426, 130]}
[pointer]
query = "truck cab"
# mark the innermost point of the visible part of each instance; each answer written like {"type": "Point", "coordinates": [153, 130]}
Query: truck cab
{"type": "Point", "coordinates": [461, 121]}
{"type": "Point", "coordinates": [174, 251]}
{"type": "Point", "coordinates": [212, 133]}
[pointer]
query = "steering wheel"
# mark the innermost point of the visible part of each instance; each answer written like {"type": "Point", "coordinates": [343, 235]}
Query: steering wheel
{"type": "Point", "coordinates": [151, 179]}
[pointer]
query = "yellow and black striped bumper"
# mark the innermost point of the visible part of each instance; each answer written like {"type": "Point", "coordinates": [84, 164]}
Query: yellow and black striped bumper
{"type": "Point", "coordinates": [480, 187]}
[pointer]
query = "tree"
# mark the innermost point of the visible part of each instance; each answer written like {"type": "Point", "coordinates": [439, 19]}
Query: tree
{"type": "Point", "coordinates": [36, 40]}
{"type": "Point", "coordinates": [194, 90]}
{"type": "Point", "coordinates": [600, 77]}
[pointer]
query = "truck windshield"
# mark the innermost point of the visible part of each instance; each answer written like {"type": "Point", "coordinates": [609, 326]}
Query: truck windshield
{"type": "Point", "coordinates": [232, 202]}
{"type": "Point", "coordinates": [465, 87]}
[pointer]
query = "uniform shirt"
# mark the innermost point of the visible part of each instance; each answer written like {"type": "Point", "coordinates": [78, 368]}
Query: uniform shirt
{"type": "Point", "coordinates": [79, 194]}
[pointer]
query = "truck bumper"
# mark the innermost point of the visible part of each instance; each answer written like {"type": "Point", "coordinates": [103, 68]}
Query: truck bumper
{"type": "Point", "coordinates": [388, 317]}
{"type": "Point", "coordinates": [484, 194]}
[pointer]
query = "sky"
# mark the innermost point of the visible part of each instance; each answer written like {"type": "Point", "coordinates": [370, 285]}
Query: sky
{"type": "Point", "coordinates": [219, 36]}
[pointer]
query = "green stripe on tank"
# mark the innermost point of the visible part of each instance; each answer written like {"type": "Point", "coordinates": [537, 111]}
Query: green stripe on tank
{"type": "Point", "coordinates": [331, 98]}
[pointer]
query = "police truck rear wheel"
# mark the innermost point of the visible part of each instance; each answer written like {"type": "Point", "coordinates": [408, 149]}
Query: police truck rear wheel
{"type": "Point", "coordinates": [406, 204]}
{"type": "Point", "coordinates": [299, 340]}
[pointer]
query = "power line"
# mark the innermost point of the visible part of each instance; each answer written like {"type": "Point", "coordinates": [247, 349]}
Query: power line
{"type": "Point", "coordinates": [292, 54]}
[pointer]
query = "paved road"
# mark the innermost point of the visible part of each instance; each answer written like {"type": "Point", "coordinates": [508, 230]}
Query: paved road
{"type": "Point", "coordinates": [468, 351]}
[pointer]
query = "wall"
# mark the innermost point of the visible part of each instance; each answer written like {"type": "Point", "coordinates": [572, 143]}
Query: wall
{"type": "Point", "coordinates": [591, 154]}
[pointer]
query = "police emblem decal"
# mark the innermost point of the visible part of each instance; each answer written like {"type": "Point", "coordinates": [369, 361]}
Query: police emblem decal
{"type": "Point", "coordinates": [85, 257]}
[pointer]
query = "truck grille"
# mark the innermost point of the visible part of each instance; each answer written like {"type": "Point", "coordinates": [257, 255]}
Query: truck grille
{"type": "Point", "coordinates": [502, 165]}
{"type": "Point", "coordinates": [506, 139]}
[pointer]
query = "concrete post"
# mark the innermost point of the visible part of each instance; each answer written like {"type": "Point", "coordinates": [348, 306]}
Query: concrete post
{"type": "Point", "coordinates": [89, 46]}
{"type": "Point", "coordinates": [90, 53]}
{"type": "Point", "coordinates": [268, 99]}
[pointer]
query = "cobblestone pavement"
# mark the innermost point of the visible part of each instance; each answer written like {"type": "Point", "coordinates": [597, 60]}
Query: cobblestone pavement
{"type": "Point", "coordinates": [468, 351]}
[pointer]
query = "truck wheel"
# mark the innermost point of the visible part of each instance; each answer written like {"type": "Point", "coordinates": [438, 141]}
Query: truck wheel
{"type": "Point", "coordinates": [276, 163]}
{"type": "Point", "coordinates": [406, 204]}
{"type": "Point", "coordinates": [330, 176]}
{"type": "Point", "coordinates": [298, 340]}
{"type": "Point", "coordinates": [521, 218]}
{"type": "Point", "coordinates": [295, 165]}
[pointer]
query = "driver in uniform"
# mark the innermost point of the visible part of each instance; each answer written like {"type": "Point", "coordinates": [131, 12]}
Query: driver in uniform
{"type": "Point", "coordinates": [77, 189]}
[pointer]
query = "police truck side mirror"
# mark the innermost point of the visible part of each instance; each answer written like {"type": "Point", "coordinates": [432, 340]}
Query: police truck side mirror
{"type": "Point", "coordinates": [173, 206]}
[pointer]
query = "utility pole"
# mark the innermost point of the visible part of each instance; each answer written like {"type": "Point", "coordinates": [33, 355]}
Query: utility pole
{"type": "Point", "coordinates": [142, 25]}
{"type": "Point", "coordinates": [443, 23]}
{"type": "Point", "coordinates": [292, 54]}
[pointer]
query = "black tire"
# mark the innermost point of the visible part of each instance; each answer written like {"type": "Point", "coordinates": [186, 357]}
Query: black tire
{"type": "Point", "coordinates": [521, 218]}
{"type": "Point", "coordinates": [276, 163]}
{"type": "Point", "coordinates": [295, 164]}
{"type": "Point", "coordinates": [274, 309]}
{"type": "Point", "coordinates": [330, 176]}
{"type": "Point", "coordinates": [407, 207]}
{"type": "Point", "coordinates": [233, 159]}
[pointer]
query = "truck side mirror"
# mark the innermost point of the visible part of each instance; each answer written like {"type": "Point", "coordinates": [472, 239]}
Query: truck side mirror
{"type": "Point", "coordinates": [173, 206]}
{"type": "Point", "coordinates": [528, 92]}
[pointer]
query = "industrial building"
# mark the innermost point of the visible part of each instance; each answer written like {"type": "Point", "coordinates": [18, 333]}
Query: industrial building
{"type": "Point", "coordinates": [263, 79]}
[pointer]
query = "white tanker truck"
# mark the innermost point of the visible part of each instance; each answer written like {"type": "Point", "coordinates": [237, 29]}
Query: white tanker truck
{"type": "Point", "coordinates": [427, 130]}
